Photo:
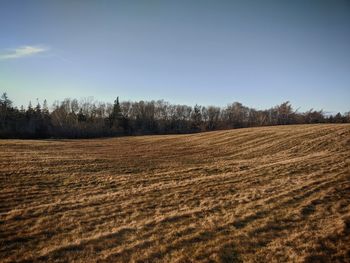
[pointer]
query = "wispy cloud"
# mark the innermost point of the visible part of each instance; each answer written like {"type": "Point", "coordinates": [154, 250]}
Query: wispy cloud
{"type": "Point", "coordinates": [24, 51]}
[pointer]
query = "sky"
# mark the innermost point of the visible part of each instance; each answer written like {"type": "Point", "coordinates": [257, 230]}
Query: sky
{"type": "Point", "coordinates": [260, 53]}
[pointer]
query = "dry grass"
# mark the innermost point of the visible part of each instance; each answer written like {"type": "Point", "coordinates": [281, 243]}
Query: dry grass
{"type": "Point", "coordinates": [271, 194]}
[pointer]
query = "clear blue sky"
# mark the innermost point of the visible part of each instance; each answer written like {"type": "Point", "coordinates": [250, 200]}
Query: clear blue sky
{"type": "Point", "coordinates": [260, 53]}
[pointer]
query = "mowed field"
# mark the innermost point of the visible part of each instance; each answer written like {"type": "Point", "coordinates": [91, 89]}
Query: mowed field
{"type": "Point", "coordinates": [271, 194]}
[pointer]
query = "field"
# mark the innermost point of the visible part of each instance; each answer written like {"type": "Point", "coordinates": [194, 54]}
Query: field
{"type": "Point", "coordinates": [272, 194]}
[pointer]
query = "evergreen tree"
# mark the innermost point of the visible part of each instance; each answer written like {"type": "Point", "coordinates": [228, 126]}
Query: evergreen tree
{"type": "Point", "coordinates": [5, 107]}
{"type": "Point", "coordinates": [81, 116]}
{"type": "Point", "coordinates": [116, 115]}
{"type": "Point", "coordinates": [38, 108]}
{"type": "Point", "coordinates": [45, 108]}
{"type": "Point", "coordinates": [5, 102]}
{"type": "Point", "coordinates": [30, 111]}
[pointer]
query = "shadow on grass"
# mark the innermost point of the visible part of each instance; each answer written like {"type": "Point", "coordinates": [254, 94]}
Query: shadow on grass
{"type": "Point", "coordinates": [228, 254]}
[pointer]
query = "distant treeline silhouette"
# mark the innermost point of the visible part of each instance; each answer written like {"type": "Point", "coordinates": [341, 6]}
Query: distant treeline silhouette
{"type": "Point", "coordinates": [87, 118]}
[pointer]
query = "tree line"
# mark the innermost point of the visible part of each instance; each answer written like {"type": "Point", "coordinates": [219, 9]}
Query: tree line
{"type": "Point", "coordinates": [88, 118]}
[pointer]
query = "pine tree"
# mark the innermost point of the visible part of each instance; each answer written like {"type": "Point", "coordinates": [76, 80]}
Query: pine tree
{"type": "Point", "coordinates": [81, 116]}
{"type": "Point", "coordinates": [5, 106]}
{"type": "Point", "coordinates": [30, 110]}
{"type": "Point", "coordinates": [45, 109]}
{"type": "Point", "coordinates": [116, 115]}
{"type": "Point", "coordinates": [116, 109]}
{"type": "Point", "coordinates": [38, 108]}
{"type": "Point", "coordinates": [5, 101]}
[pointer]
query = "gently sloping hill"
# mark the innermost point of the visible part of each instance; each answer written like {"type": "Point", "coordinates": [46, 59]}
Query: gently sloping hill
{"type": "Point", "coordinates": [260, 194]}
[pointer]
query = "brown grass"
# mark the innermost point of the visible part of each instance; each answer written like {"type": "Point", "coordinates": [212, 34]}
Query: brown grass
{"type": "Point", "coordinates": [271, 194]}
